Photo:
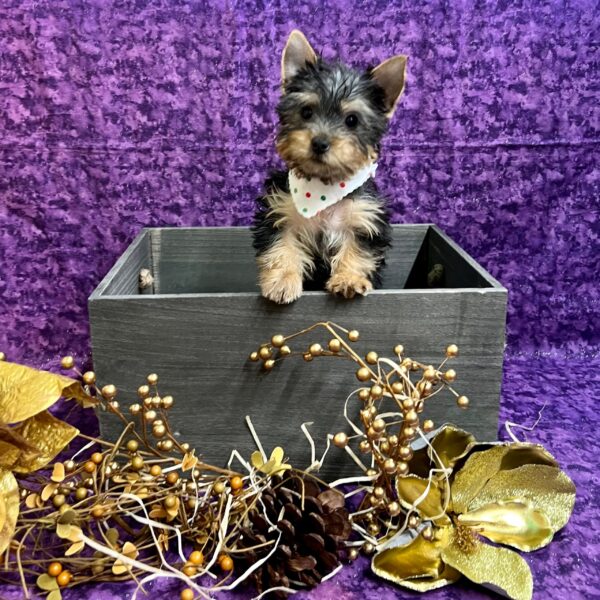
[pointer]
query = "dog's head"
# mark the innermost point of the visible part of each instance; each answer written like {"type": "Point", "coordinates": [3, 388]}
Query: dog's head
{"type": "Point", "coordinates": [332, 117]}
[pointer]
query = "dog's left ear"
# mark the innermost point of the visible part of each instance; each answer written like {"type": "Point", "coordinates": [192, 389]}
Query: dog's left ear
{"type": "Point", "coordinates": [296, 54]}
{"type": "Point", "coordinates": [390, 75]}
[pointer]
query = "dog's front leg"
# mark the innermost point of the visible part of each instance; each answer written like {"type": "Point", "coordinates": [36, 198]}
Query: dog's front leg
{"type": "Point", "coordinates": [282, 267]}
{"type": "Point", "coordinates": [352, 268]}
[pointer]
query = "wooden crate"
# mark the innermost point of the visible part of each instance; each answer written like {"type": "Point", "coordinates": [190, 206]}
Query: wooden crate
{"type": "Point", "coordinates": [197, 323]}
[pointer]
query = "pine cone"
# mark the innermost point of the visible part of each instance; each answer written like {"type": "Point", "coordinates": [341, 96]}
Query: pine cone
{"type": "Point", "coordinates": [314, 525]}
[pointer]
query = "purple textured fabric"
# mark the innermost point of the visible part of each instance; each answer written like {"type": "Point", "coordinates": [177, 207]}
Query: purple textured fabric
{"type": "Point", "coordinates": [118, 115]}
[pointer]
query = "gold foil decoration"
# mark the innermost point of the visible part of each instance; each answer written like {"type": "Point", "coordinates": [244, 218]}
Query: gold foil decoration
{"type": "Point", "coordinates": [512, 494]}
{"type": "Point", "coordinates": [48, 435]}
{"type": "Point", "coordinates": [9, 507]}
{"type": "Point", "coordinates": [25, 392]}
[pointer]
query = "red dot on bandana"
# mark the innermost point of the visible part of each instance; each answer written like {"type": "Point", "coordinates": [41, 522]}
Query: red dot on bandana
{"type": "Point", "coordinates": [342, 184]}
{"type": "Point", "coordinates": [308, 194]}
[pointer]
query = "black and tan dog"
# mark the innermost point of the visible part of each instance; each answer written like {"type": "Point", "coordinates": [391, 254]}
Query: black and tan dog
{"type": "Point", "coordinates": [322, 223]}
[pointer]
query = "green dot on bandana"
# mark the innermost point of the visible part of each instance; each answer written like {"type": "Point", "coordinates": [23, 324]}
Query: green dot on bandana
{"type": "Point", "coordinates": [295, 190]}
{"type": "Point", "coordinates": [305, 210]}
{"type": "Point", "coordinates": [323, 198]}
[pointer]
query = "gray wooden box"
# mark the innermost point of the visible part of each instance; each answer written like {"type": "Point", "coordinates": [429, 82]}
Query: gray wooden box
{"type": "Point", "coordinates": [197, 323]}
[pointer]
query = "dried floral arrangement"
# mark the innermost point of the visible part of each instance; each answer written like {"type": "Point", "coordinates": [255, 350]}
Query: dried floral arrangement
{"type": "Point", "coordinates": [146, 506]}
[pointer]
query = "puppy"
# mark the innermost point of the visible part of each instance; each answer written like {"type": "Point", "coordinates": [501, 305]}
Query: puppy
{"type": "Point", "coordinates": [321, 223]}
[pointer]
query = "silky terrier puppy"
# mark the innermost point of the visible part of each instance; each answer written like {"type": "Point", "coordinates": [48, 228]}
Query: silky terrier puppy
{"type": "Point", "coordinates": [321, 224]}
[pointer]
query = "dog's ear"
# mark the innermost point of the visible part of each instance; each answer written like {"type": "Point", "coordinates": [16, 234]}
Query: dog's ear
{"type": "Point", "coordinates": [390, 75]}
{"type": "Point", "coordinates": [296, 54]}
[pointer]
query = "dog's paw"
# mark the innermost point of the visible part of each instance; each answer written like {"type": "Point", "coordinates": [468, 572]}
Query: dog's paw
{"type": "Point", "coordinates": [349, 284]}
{"type": "Point", "coordinates": [282, 287]}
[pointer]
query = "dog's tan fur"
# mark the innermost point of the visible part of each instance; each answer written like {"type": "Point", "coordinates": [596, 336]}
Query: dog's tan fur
{"type": "Point", "coordinates": [331, 233]}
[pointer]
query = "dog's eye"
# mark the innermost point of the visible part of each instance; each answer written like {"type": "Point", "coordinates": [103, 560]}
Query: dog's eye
{"type": "Point", "coordinates": [306, 112]}
{"type": "Point", "coordinates": [351, 121]}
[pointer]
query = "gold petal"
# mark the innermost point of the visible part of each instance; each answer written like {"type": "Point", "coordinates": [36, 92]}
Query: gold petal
{"type": "Point", "coordinates": [451, 444]}
{"type": "Point", "coordinates": [48, 490]}
{"type": "Point", "coordinates": [9, 455]}
{"type": "Point", "coordinates": [257, 460]}
{"type": "Point", "coordinates": [9, 508]}
{"type": "Point", "coordinates": [446, 577]}
{"type": "Point", "coordinates": [549, 490]}
{"type": "Point", "coordinates": [112, 535]}
{"type": "Point", "coordinates": [24, 391]}
{"type": "Point", "coordinates": [46, 582]}
{"type": "Point", "coordinates": [49, 435]}
{"type": "Point", "coordinates": [75, 548]}
{"type": "Point", "coordinates": [189, 461]}
{"type": "Point", "coordinates": [482, 465]}
{"type": "Point", "coordinates": [515, 524]}
{"type": "Point", "coordinates": [13, 445]}
{"type": "Point", "coordinates": [277, 454]}
{"type": "Point", "coordinates": [54, 595]}
{"type": "Point", "coordinates": [417, 559]}
{"type": "Point", "coordinates": [499, 569]}
{"type": "Point", "coordinates": [58, 472]}
{"type": "Point", "coordinates": [410, 488]}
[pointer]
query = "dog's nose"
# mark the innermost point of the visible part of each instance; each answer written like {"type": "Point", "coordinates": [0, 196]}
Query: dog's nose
{"type": "Point", "coordinates": [320, 144]}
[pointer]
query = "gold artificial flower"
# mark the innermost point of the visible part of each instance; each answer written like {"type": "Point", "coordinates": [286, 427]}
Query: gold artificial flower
{"type": "Point", "coordinates": [273, 466]}
{"type": "Point", "coordinates": [512, 494]}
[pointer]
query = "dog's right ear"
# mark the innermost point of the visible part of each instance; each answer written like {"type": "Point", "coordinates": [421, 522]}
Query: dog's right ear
{"type": "Point", "coordinates": [296, 54]}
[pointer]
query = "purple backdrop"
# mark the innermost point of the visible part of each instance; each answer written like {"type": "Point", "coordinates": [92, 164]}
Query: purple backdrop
{"type": "Point", "coordinates": [119, 115]}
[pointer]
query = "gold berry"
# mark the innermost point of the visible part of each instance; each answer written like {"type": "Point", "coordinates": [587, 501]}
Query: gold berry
{"type": "Point", "coordinates": [237, 483]}
{"type": "Point", "coordinates": [54, 569]}
{"type": "Point", "coordinates": [132, 445]}
{"type": "Point", "coordinates": [109, 391]}
{"type": "Point", "coordinates": [376, 392]}
{"type": "Point", "coordinates": [137, 462]}
{"type": "Point", "coordinates": [135, 409]}
{"type": "Point", "coordinates": [64, 578]}
{"type": "Point", "coordinates": [364, 394]}
{"type": "Point", "coordinates": [285, 350]}
{"type": "Point", "coordinates": [196, 557]}
{"type": "Point", "coordinates": [452, 351]}
{"type": "Point", "coordinates": [152, 379]}
{"type": "Point", "coordinates": [254, 356]}
{"type": "Point", "coordinates": [189, 570]}
{"type": "Point", "coordinates": [428, 425]}
{"type": "Point", "coordinates": [363, 374]}
{"type": "Point", "coordinates": [450, 375]}
{"type": "Point", "coordinates": [187, 594]}
{"type": "Point", "coordinates": [340, 439]}
{"type": "Point", "coordinates": [316, 349]}
{"type": "Point", "coordinates": [371, 358]}
{"type": "Point", "coordinates": [353, 335]}
{"type": "Point", "coordinates": [167, 402]}
{"type": "Point", "coordinates": [172, 477]}
{"type": "Point", "coordinates": [67, 362]}
{"type": "Point", "coordinates": [462, 401]}
{"type": "Point", "coordinates": [143, 391]}
{"type": "Point", "coordinates": [89, 377]}
{"type": "Point", "coordinates": [269, 364]}
{"type": "Point", "coordinates": [226, 563]}
{"type": "Point", "coordinates": [265, 352]}
{"type": "Point", "coordinates": [277, 341]}
{"type": "Point", "coordinates": [335, 345]}
{"type": "Point", "coordinates": [399, 349]}
{"type": "Point", "coordinates": [155, 470]}
{"type": "Point", "coordinates": [218, 487]}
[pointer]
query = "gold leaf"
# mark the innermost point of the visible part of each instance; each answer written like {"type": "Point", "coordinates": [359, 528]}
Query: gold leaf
{"type": "Point", "coordinates": [273, 466]}
{"type": "Point", "coordinates": [13, 445]}
{"type": "Point", "coordinates": [410, 488]}
{"type": "Point", "coordinates": [481, 466]}
{"type": "Point", "coordinates": [130, 551]}
{"type": "Point", "coordinates": [46, 582]}
{"type": "Point", "coordinates": [450, 445]}
{"type": "Point", "coordinates": [499, 569]}
{"type": "Point", "coordinates": [112, 535]}
{"type": "Point", "coordinates": [515, 524]}
{"type": "Point", "coordinates": [158, 512]}
{"type": "Point", "coordinates": [189, 461]}
{"type": "Point", "coordinates": [58, 472]}
{"type": "Point", "coordinates": [549, 490]}
{"type": "Point", "coordinates": [33, 501]}
{"type": "Point", "coordinates": [54, 595]}
{"type": "Point", "coordinates": [69, 532]}
{"type": "Point", "coordinates": [48, 490]}
{"type": "Point", "coordinates": [9, 508]}
{"type": "Point", "coordinates": [446, 577]}
{"type": "Point", "coordinates": [24, 391]}
{"type": "Point", "coordinates": [75, 548]}
{"type": "Point", "coordinates": [418, 559]}
{"type": "Point", "coordinates": [9, 455]}
{"type": "Point", "coordinates": [49, 435]}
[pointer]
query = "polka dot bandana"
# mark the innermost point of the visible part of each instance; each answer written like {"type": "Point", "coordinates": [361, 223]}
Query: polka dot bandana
{"type": "Point", "coordinates": [311, 195]}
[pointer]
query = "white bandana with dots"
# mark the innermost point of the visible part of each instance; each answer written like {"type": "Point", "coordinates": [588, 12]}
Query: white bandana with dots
{"type": "Point", "coordinates": [311, 195]}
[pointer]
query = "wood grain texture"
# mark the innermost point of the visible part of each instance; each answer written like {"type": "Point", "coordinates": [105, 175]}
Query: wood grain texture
{"type": "Point", "coordinates": [198, 343]}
